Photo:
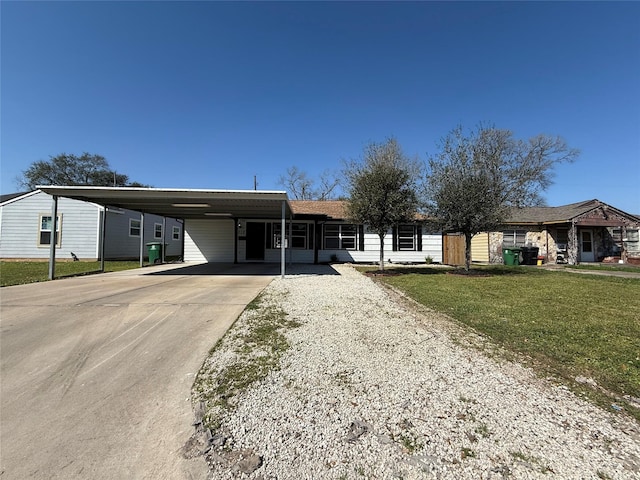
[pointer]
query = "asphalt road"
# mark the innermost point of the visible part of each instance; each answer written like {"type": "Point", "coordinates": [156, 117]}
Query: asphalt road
{"type": "Point", "coordinates": [96, 371]}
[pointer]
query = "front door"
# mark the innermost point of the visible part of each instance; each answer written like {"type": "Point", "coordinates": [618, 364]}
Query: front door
{"type": "Point", "coordinates": [586, 246]}
{"type": "Point", "coordinates": [255, 241]}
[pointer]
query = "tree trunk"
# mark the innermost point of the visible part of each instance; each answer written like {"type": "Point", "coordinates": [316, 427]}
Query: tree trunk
{"type": "Point", "coordinates": [467, 251]}
{"type": "Point", "coordinates": [381, 251]}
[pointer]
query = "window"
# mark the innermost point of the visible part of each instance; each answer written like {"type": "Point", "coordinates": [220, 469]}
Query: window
{"type": "Point", "coordinates": [298, 232]}
{"type": "Point", "coordinates": [340, 237]}
{"type": "Point", "coordinates": [406, 237]}
{"type": "Point", "coordinates": [44, 230]}
{"type": "Point", "coordinates": [134, 227]}
{"type": "Point", "coordinates": [175, 233]}
{"type": "Point", "coordinates": [515, 238]}
{"type": "Point", "coordinates": [157, 230]}
{"type": "Point", "coordinates": [632, 242]}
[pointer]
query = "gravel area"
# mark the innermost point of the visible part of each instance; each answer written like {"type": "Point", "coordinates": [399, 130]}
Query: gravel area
{"type": "Point", "coordinates": [372, 388]}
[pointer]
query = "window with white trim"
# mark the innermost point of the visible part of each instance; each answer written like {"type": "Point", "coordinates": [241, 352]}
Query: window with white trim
{"type": "Point", "coordinates": [157, 230]}
{"type": "Point", "coordinates": [407, 237]}
{"type": "Point", "coordinates": [515, 238]}
{"type": "Point", "coordinates": [134, 227]}
{"type": "Point", "coordinates": [297, 237]}
{"type": "Point", "coordinates": [632, 240]}
{"type": "Point", "coordinates": [340, 236]}
{"type": "Point", "coordinates": [44, 230]}
{"type": "Point", "coordinates": [175, 232]}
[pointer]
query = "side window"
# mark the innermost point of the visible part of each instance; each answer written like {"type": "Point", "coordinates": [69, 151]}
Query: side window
{"type": "Point", "coordinates": [44, 230]}
{"type": "Point", "coordinates": [134, 227]}
{"type": "Point", "coordinates": [175, 234]}
{"type": "Point", "coordinates": [157, 230]}
{"type": "Point", "coordinates": [514, 238]}
{"type": "Point", "coordinates": [632, 241]}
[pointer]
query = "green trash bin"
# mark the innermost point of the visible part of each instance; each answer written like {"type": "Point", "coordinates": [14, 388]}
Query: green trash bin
{"type": "Point", "coordinates": [511, 256]}
{"type": "Point", "coordinates": [154, 249]}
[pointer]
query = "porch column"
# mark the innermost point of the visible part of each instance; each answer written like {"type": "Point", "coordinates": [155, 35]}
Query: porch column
{"type": "Point", "coordinates": [164, 236]}
{"type": "Point", "coordinates": [103, 225]}
{"type": "Point", "coordinates": [236, 227]}
{"type": "Point", "coordinates": [572, 244]}
{"type": "Point", "coordinates": [282, 241]}
{"type": "Point", "coordinates": [53, 239]}
{"type": "Point", "coordinates": [141, 239]}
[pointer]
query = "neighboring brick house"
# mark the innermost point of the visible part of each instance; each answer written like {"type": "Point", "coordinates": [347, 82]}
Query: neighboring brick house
{"type": "Point", "coordinates": [583, 232]}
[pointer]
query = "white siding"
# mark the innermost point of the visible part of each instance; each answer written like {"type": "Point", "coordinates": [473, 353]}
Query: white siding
{"type": "Point", "coordinates": [21, 223]}
{"type": "Point", "coordinates": [209, 240]}
{"type": "Point", "coordinates": [431, 247]}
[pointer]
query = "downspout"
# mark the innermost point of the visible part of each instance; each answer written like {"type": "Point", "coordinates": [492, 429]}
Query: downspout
{"type": "Point", "coordinates": [53, 240]}
{"type": "Point", "coordinates": [184, 224]}
{"type": "Point", "coordinates": [141, 239]}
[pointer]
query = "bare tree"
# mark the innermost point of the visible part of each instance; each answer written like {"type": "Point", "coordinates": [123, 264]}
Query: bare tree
{"type": "Point", "coordinates": [301, 187]}
{"type": "Point", "coordinates": [382, 189]}
{"type": "Point", "coordinates": [476, 179]}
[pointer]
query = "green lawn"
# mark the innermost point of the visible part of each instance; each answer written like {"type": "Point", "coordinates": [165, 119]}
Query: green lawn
{"type": "Point", "coordinates": [17, 273]}
{"type": "Point", "coordinates": [568, 325]}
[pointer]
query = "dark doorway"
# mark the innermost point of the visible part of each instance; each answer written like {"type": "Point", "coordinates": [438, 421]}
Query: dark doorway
{"type": "Point", "coordinates": [255, 241]}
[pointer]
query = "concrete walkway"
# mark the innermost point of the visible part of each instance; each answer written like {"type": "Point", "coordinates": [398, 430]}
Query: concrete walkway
{"type": "Point", "coordinates": [604, 273]}
{"type": "Point", "coordinates": [96, 371]}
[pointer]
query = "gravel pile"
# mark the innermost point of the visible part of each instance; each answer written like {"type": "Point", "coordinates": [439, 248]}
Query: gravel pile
{"type": "Point", "coordinates": [373, 389]}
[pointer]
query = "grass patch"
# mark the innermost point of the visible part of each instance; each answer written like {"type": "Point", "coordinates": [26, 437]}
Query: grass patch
{"type": "Point", "coordinates": [19, 273]}
{"type": "Point", "coordinates": [569, 325]}
{"type": "Point", "coordinates": [257, 346]}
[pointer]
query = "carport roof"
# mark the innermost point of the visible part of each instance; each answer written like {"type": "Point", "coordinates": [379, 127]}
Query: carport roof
{"type": "Point", "coordinates": [182, 203]}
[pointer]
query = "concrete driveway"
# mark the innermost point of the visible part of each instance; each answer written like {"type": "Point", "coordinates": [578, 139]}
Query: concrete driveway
{"type": "Point", "coordinates": [96, 371]}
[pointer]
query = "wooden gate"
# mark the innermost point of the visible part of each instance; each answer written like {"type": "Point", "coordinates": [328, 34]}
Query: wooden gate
{"type": "Point", "coordinates": [453, 249]}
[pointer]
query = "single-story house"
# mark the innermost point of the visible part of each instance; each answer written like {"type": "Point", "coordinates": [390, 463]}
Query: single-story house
{"type": "Point", "coordinates": [246, 226]}
{"type": "Point", "coordinates": [315, 232]}
{"type": "Point", "coordinates": [26, 223]}
{"type": "Point", "coordinates": [583, 232]}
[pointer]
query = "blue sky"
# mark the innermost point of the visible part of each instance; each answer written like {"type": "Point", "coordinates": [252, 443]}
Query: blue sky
{"type": "Point", "coordinates": [209, 94]}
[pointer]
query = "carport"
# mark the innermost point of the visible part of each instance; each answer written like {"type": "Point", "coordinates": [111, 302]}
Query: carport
{"type": "Point", "coordinates": [175, 203]}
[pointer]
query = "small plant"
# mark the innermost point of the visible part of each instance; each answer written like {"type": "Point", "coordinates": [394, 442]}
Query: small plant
{"type": "Point", "coordinates": [259, 348]}
{"type": "Point", "coordinates": [409, 443]}
{"type": "Point", "coordinates": [483, 430]}
{"type": "Point", "coordinates": [468, 453]}
{"type": "Point", "coordinates": [428, 259]}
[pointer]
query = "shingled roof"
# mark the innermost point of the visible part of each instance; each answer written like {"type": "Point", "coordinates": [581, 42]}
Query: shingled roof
{"type": "Point", "coordinates": [561, 214]}
{"type": "Point", "coordinates": [336, 210]}
{"type": "Point", "coordinates": [333, 209]}
{"type": "Point", "coordinates": [10, 196]}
